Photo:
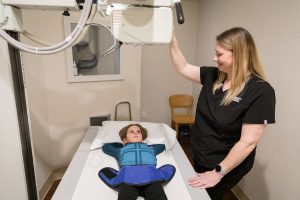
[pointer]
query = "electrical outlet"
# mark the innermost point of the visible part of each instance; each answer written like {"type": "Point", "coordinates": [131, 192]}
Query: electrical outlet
{"type": "Point", "coordinates": [144, 114]}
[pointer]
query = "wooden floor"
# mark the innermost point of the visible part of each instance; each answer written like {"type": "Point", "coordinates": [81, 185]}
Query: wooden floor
{"type": "Point", "coordinates": [52, 190]}
{"type": "Point", "coordinates": [185, 143]}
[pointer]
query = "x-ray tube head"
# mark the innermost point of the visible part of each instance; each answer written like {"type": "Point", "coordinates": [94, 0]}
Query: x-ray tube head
{"type": "Point", "coordinates": [143, 25]}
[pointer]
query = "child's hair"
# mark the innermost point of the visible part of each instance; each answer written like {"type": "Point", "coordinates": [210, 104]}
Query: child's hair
{"type": "Point", "coordinates": [123, 131]}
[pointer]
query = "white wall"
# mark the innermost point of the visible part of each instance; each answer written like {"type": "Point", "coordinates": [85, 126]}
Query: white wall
{"type": "Point", "coordinates": [12, 181]}
{"type": "Point", "coordinates": [274, 26]}
{"type": "Point", "coordinates": [59, 110]}
{"type": "Point", "coordinates": [159, 78]}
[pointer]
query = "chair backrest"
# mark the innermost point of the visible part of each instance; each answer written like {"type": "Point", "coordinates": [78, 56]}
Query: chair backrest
{"type": "Point", "coordinates": [181, 101]}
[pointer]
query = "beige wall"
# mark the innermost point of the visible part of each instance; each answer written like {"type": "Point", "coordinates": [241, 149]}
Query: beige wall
{"type": "Point", "coordinates": [274, 26]}
{"type": "Point", "coordinates": [60, 111]}
{"type": "Point", "coordinates": [159, 78]}
{"type": "Point", "coordinates": [13, 181]}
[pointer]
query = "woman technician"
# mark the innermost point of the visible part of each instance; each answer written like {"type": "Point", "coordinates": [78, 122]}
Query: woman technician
{"type": "Point", "coordinates": [234, 107]}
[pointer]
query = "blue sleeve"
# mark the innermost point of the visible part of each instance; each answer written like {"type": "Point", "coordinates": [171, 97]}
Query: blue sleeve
{"type": "Point", "coordinates": [157, 148]}
{"type": "Point", "coordinates": [112, 149]}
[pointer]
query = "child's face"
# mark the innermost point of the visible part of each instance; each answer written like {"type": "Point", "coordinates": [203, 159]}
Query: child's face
{"type": "Point", "coordinates": [133, 134]}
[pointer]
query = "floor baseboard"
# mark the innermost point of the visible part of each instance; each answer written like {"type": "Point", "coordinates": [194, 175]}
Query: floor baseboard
{"type": "Point", "coordinates": [55, 175]}
{"type": "Point", "coordinates": [239, 193]}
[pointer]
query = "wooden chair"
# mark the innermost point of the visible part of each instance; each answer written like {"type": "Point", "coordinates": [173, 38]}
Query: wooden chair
{"type": "Point", "coordinates": [181, 110]}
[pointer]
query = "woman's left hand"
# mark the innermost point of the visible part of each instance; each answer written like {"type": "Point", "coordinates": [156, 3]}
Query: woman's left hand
{"type": "Point", "coordinates": [205, 180]}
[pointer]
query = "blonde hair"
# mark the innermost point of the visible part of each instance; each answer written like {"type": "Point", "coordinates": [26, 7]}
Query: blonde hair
{"type": "Point", "coordinates": [123, 131]}
{"type": "Point", "coordinates": [245, 61]}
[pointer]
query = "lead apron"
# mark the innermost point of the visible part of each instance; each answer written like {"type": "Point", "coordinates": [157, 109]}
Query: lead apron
{"type": "Point", "coordinates": [136, 175]}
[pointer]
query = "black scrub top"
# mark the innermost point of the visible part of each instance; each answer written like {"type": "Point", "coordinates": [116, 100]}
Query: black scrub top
{"type": "Point", "coordinates": [218, 127]}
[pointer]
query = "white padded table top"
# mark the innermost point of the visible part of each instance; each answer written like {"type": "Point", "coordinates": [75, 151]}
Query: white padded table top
{"type": "Point", "coordinates": [81, 178]}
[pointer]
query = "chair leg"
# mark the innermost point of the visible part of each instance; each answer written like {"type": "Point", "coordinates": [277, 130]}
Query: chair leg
{"type": "Point", "coordinates": [176, 129]}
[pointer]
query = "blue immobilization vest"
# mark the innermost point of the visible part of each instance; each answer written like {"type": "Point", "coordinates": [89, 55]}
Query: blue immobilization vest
{"type": "Point", "coordinates": [137, 163]}
{"type": "Point", "coordinates": [136, 154]}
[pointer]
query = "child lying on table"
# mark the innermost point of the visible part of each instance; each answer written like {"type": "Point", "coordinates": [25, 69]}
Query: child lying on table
{"type": "Point", "coordinates": [138, 175]}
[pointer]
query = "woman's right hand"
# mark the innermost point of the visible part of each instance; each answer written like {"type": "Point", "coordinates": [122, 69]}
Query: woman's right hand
{"type": "Point", "coordinates": [205, 180]}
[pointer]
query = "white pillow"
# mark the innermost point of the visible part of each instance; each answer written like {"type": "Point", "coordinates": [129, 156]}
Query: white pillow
{"type": "Point", "coordinates": [158, 133]}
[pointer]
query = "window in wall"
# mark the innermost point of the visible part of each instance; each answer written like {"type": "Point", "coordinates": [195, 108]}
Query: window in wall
{"type": "Point", "coordinates": [87, 60]}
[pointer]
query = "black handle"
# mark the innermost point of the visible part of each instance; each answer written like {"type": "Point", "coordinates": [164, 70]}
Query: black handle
{"type": "Point", "coordinates": [179, 13]}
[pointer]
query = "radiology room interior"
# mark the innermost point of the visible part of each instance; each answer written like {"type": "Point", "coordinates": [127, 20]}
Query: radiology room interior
{"type": "Point", "coordinates": [60, 106]}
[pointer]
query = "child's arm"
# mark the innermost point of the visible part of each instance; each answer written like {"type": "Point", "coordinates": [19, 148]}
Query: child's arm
{"type": "Point", "coordinates": [158, 148]}
{"type": "Point", "coordinates": [112, 149]}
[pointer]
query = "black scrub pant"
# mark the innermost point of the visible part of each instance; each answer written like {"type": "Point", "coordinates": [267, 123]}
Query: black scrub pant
{"type": "Point", "coordinates": [153, 191]}
{"type": "Point", "coordinates": [227, 182]}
